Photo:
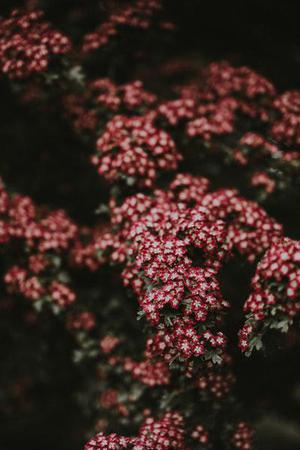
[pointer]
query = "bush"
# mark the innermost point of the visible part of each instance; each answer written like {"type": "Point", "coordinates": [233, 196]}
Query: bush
{"type": "Point", "coordinates": [149, 262]}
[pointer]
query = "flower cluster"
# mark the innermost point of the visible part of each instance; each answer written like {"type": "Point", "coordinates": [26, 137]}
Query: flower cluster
{"type": "Point", "coordinates": [155, 374]}
{"type": "Point", "coordinates": [212, 110]}
{"type": "Point", "coordinates": [42, 231]}
{"type": "Point", "coordinates": [172, 283]}
{"type": "Point", "coordinates": [165, 434]}
{"type": "Point", "coordinates": [183, 341]}
{"type": "Point", "coordinates": [173, 253]}
{"type": "Point", "coordinates": [251, 230]}
{"type": "Point", "coordinates": [274, 300]}
{"type": "Point", "coordinates": [200, 434]}
{"type": "Point", "coordinates": [28, 43]}
{"type": "Point", "coordinates": [175, 111]}
{"type": "Point", "coordinates": [254, 147]}
{"type": "Point", "coordinates": [81, 320]}
{"type": "Point", "coordinates": [19, 281]}
{"type": "Point", "coordinates": [213, 119]}
{"type": "Point", "coordinates": [278, 167]}
{"type": "Point", "coordinates": [128, 97]}
{"type": "Point", "coordinates": [43, 237]}
{"type": "Point", "coordinates": [242, 437]}
{"type": "Point", "coordinates": [108, 343]}
{"type": "Point", "coordinates": [109, 398]}
{"type": "Point", "coordinates": [130, 211]}
{"type": "Point", "coordinates": [287, 128]}
{"type": "Point", "coordinates": [109, 442]}
{"type": "Point", "coordinates": [92, 248]}
{"type": "Point", "coordinates": [61, 294]}
{"type": "Point", "coordinates": [90, 110]}
{"type": "Point", "coordinates": [138, 14]}
{"type": "Point", "coordinates": [131, 148]}
{"type": "Point", "coordinates": [263, 181]}
{"type": "Point", "coordinates": [216, 380]}
{"type": "Point", "coordinates": [224, 80]}
{"type": "Point", "coordinates": [169, 433]}
{"type": "Point", "coordinates": [189, 189]}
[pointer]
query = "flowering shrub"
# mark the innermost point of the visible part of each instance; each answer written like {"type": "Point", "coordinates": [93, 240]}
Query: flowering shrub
{"type": "Point", "coordinates": [27, 44]}
{"type": "Point", "coordinates": [146, 290]}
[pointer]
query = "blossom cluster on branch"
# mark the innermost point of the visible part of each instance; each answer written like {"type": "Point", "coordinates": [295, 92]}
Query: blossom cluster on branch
{"type": "Point", "coordinates": [28, 43]}
{"type": "Point", "coordinates": [139, 14]}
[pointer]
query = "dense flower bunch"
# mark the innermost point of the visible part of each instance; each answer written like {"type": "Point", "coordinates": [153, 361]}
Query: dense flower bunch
{"type": "Point", "coordinates": [286, 128]}
{"type": "Point", "coordinates": [211, 107]}
{"type": "Point", "coordinates": [43, 237]}
{"type": "Point", "coordinates": [93, 247]}
{"type": "Point", "coordinates": [150, 374]}
{"type": "Point", "coordinates": [274, 300]}
{"type": "Point", "coordinates": [242, 437]}
{"type": "Point", "coordinates": [172, 282]}
{"type": "Point", "coordinates": [112, 441]}
{"type": "Point", "coordinates": [188, 189]}
{"type": "Point", "coordinates": [168, 433]}
{"type": "Point", "coordinates": [20, 218]}
{"type": "Point", "coordinates": [165, 434]}
{"type": "Point", "coordinates": [223, 80]}
{"type": "Point", "coordinates": [216, 381]}
{"type": "Point", "coordinates": [223, 98]}
{"type": "Point", "coordinates": [251, 230]}
{"type": "Point", "coordinates": [129, 96]}
{"type": "Point", "coordinates": [131, 148]}
{"type": "Point", "coordinates": [28, 43]}
{"type": "Point", "coordinates": [91, 110]}
{"type": "Point", "coordinates": [182, 301]}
